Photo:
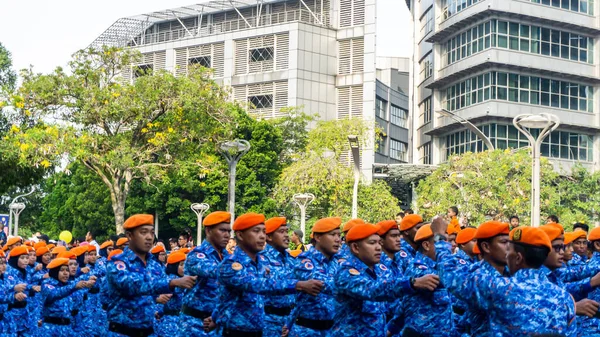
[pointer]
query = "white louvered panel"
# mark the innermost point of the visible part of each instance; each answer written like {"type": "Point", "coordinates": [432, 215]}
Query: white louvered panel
{"type": "Point", "coordinates": [218, 18]}
{"type": "Point", "coordinates": [343, 101]}
{"type": "Point", "coordinates": [255, 42]}
{"type": "Point", "coordinates": [241, 57]}
{"type": "Point", "coordinates": [356, 106]}
{"type": "Point", "coordinates": [345, 158]}
{"type": "Point", "coordinates": [147, 58]}
{"type": "Point", "coordinates": [344, 57]}
{"type": "Point", "coordinates": [358, 12]}
{"type": "Point", "coordinates": [160, 60]}
{"type": "Point", "coordinates": [345, 13]}
{"type": "Point", "coordinates": [126, 75]}
{"type": "Point", "coordinates": [240, 94]}
{"type": "Point", "coordinates": [218, 59]}
{"type": "Point", "coordinates": [358, 54]}
{"type": "Point", "coordinates": [326, 11]}
{"type": "Point", "coordinates": [282, 52]}
{"type": "Point", "coordinates": [181, 61]}
{"type": "Point", "coordinates": [281, 98]}
{"type": "Point", "coordinates": [278, 7]}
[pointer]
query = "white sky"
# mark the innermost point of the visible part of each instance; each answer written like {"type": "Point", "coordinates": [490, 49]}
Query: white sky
{"type": "Point", "coordinates": [45, 33]}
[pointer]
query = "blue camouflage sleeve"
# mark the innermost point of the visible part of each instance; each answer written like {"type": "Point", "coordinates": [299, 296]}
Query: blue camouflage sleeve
{"type": "Point", "coordinates": [127, 283]}
{"type": "Point", "coordinates": [52, 293]}
{"type": "Point", "coordinates": [351, 282]}
{"type": "Point", "coordinates": [233, 274]}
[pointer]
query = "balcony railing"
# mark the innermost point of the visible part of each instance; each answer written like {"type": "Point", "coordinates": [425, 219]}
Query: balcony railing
{"type": "Point", "coordinates": [301, 15]}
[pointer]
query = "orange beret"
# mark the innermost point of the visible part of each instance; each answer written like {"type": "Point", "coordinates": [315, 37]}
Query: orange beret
{"type": "Point", "coordinates": [41, 251]}
{"type": "Point", "coordinates": [79, 250]}
{"type": "Point", "coordinates": [476, 250]}
{"type": "Point", "coordinates": [295, 252]}
{"type": "Point", "coordinates": [13, 240]}
{"type": "Point", "coordinates": [409, 221]}
{"type": "Point", "coordinates": [67, 255]}
{"type": "Point", "coordinates": [552, 231]}
{"type": "Point", "coordinates": [51, 246]}
{"type": "Point", "coordinates": [361, 231]}
{"type": "Point", "coordinates": [248, 220]}
{"type": "Point", "coordinates": [453, 227]}
{"type": "Point", "coordinates": [594, 234]}
{"type": "Point", "coordinates": [176, 257]}
{"type": "Point", "coordinates": [105, 244]}
{"type": "Point", "coordinates": [274, 223]}
{"type": "Point", "coordinates": [28, 243]}
{"type": "Point", "coordinates": [122, 241]}
{"type": "Point", "coordinates": [530, 236]}
{"type": "Point", "coordinates": [138, 220]}
{"type": "Point", "coordinates": [5, 247]}
{"type": "Point", "coordinates": [570, 237]}
{"type": "Point", "coordinates": [2, 254]}
{"type": "Point", "coordinates": [157, 249]}
{"type": "Point", "coordinates": [59, 249]}
{"type": "Point", "coordinates": [326, 225]}
{"type": "Point", "coordinates": [216, 218]}
{"type": "Point", "coordinates": [466, 235]}
{"type": "Point", "coordinates": [113, 253]}
{"type": "Point", "coordinates": [423, 233]}
{"type": "Point", "coordinates": [39, 244]}
{"type": "Point", "coordinates": [17, 251]}
{"type": "Point", "coordinates": [58, 262]}
{"type": "Point", "coordinates": [30, 249]}
{"type": "Point", "coordinates": [385, 226]}
{"type": "Point", "coordinates": [348, 226]}
{"type": "Point", "coordinates": [489, 229]}
{"type": "Point", "coordinates": [184, 250]}
{"type": "Point", "coordinates": [91, 248]}
{"type": "Point", "coordinates": [557, 226]}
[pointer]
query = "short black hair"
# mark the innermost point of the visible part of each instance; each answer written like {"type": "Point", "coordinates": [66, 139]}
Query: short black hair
{"type": "Point", "coordinates": [114, 238]}
{"type": "Point", "coordinates": [480, 241]}
{"type": "Point", "coordinates": [409, 211]}
{"type": "Point", "coordinates": [534, 255]}
{"type": "Point", "coordinates": [400, 214]}
{"type": "Point", "coordinates": [93, 233]}
{"type": "Point", "coordinates": [553, 218]}
{"type": "Point", "coordinates": [454, 209]}
{"type": "Point", "coordinates": [583, 226]}
{"type": "Point", "coordinates": [514, 217]}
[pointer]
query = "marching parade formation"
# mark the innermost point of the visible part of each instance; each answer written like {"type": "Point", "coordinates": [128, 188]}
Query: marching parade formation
{"type": "Point", "coordinates": [404, 277]}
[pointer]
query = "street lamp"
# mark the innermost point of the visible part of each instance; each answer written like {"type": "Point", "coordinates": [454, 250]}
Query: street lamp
{"type": "Point", "coordinates": [469, 126]}
{"type": "Point", "coordinates": [199, 209]}
{"type": "Point", "coordinates": [547, 123]}
{"type": "Point", "coordinates": [355, 147]}
{"type": "Point", "coordinates": [303, 200]}
{"type": "Point", "coordinates": [233, 151]}
{"type": "Point", "coordinates": [15, 208]}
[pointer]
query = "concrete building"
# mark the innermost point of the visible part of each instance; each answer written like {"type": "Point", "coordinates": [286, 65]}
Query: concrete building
{"type": "Point", "coordinates": [491, 60]}
{"type": "Point", "coordinates": [318, 54]}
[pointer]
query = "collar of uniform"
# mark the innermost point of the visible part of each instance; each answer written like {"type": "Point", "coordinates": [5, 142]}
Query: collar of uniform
{"type": "Point", "coordinates": [530, 274]}
{"type": "Point", "coordinates": [207, 249]}
{"type": "Point", "coordinates": [360, 266]}
{"type": "Point", "coordinates": [546, 271]}
{"type": "Point", "coordinates": [240, 256]}
{"type": "Point", "coordinates": [425, 260]}
{"type": "Point", "coordinates": [273, 253]}
{"type": "Point", "coordinates": [130, 255]}
{"type": "Point", "coordinates": [461, 253]}
{"type": "Point", "coordinates": [405, 246]}
{"type": "Point", "coordinates": [387, 261]}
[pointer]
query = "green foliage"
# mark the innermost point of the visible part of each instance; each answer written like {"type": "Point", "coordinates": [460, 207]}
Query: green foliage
{"type": "Point", "coordinates": [491, 184]}
{"type": "Point", "coordinates": [293, 127]}
{"type": "Point", "coordinates": [8, 77]}
{"type": "Point", "coordinates": [578, 195]}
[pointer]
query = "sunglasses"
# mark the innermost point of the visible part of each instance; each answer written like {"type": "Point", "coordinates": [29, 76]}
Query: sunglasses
{"type": "Point", "coordinates": [558, 248]}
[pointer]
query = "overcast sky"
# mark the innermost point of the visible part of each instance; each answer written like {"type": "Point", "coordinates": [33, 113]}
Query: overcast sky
{"type": "Point", "coordinates": [45, 33]}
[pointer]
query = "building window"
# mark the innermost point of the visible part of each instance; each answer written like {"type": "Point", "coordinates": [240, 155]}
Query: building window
{"type": "Point", "coordinates": [520, 89]}
{"type": "Point", "coordinates": [426, 153]}
{"type": "Point", "coordinates": [381, 108]}
{"type": "Point", "coordinates": [427, 22]}
{"type": "Point", "coordinates": [559, 144]}
{"type": "Point", "coordinates": [142, 70]}
{"type": "Point", "coordinates": [519, 37]}
{"type": "Point", "coordinates": [426, 66]}
{"type": "Point", "coordinates": [398, 116]}
{"type": "Point", "coordinates": [261, 54]}
{"type": "Point", "coordinates": [261, 101]}
{"type": "Point", "coordinates": [425, 109]}
{"type": "Point", "coordinates": [398, 150]}
{"type": "Point", "coordinates": [204, 61]}
{"type": "Point", "coordinates": [581, 6]}
{"type": "Point", "coordinates": [451, 7]}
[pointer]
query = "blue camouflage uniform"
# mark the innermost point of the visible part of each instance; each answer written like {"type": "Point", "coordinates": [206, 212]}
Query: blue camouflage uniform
{"type": "Point", "coordinates": [132, 288]}
{"type": "Point", "coordinates": [407, 254]}
{"type": "Point", "coordinates": [590, 326]}
{"type": "Point", "coordinates": [344, 251]}
{"type": "Point", "coordinates": [314, 265]}
{"type": "Point", "coordinates": [506, 299]}
{"type": "Point", "coordinates": [578, 289]}
{"type": "Point", "coordinates": [429, 313]}
{"type": "Point", "coordinates": [278, 308]}
{"type": "Point", "coordinates": [94, 317]}
{"type": "Point", "coordinates": [168, 324]}
{"type": "Point", "coordinates": [57, 307]}
{"type": "Point", "coordinates": [242, 281]}
{"type": "Point", "coordinates": [7, 326]}
{"type": "Point", "coordinates": [203, 261]}
{"type": "Point", "coordinates": [37, 278]}
{"type": "Point", "coordinates": [19, 311]}
{"type": "Point", "coordinates": [396, 272]}
{"type": "Point", "coordinates": [361, 294]}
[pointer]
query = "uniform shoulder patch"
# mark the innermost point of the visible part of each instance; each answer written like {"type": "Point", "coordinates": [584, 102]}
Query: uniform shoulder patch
{"type": "Point", "coordinates": [237, 266]}
{"type": "Point", "coordinates": [517, 235]}
{"type": "Point", "coordinates": [341, 260]}
{"type": "Point", "coordinates": [200, 255]}
{"type": "Point", "coordinates": [305, 260]}
{"type": "Point", "coordinates": [382, 266]}
{"type": "Point", "coordinates": [422, 266]}
{"type": "Point", "coordinates": [403, 254]}
{"type": "Point", "coordinates": [120, 265]}
{"type": "Point", "coordinates": [461, 261]}
{"type": "Point", "coordinates": [10, 277]}
{"type": "Point", "coordinates": [49, 286]}
{"type": "Point", "coordinates": [308, 265]}
{"type": "Point", "coordinates": [353, 272]}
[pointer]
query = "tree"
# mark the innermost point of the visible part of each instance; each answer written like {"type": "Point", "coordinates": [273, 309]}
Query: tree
{"type": "Point", "coordinates": [491, 184]}
{"type": "Point", "coordinates": [121, 131]}
{"type": "Point", "coordinates": [578, 195]}
{"type": "Point", "coordinates": [293, 126]}
{"type": "Point", "coordinates": [8, 77]}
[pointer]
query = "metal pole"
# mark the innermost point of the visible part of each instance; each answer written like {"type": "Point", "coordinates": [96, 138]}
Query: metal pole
{"type": "Point", "coordinates": [535, 185]}
{"type": "Point", "coordinates": [303, 200]}
{"type": "Point", "coordinates": [469, 126]}
{"type": "Point", "coordinates": [199, 209]}
{"type": "Point", "coordinates": [303, 221]}
{"type": "Point", "coordinates": [16, 224]}
{"type": "Point", "coordinates": [10, 220]}
{"type": "Point", "coordinates": [233, 151]}
{"type": "Point", "coordinates": [156, 223]}
{"type": "Point", "coordinates": [232, 173]}
{"type": "Point", "coordinates": [355, 194]}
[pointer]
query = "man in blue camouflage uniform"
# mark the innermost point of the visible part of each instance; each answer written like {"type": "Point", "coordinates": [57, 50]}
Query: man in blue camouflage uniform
{"type": "Point", "coordinates": [409, 226]}
{"type": "Point", "coordinates": [313, 316]}
{"type": "Point", "coordinates": [134, 280]}
{"type": "Point", "coordinates": [94, 318]}
{"type": "Point", "coordinates": [16, 277]}
{"type": "Point", "coordinates": [169, 313]}
{"type": "Point", "coordinates": [363, 285]}
{"type": "Point", "coordinates": [203, 262]}
{"type": "Point", "coordinates": [10, 296]}
{"type": "Point", "coordinates": [507, 299]}
{"type": "Point", "coordinates": [278, 308]}
{"type": "Point", "coordinates": [590, 326]}
{"type": "Point", "coordinates": [344, 251]}
{"type": "Point", "coordinates": [243, 279]}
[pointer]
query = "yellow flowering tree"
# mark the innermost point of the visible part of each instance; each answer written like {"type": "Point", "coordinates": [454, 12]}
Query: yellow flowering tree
{"type": "Point", "coordinates": [119, 129]}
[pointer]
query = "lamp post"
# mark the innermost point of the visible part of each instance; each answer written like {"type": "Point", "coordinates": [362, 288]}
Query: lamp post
{"type": "Point", "coordinates": [15, 208]}
{"type": "Point", "coordinates": [469, 126]}
{"type": "Point", "coordinates": [199, 209]}
{"type": "Point", "coordinates": [303, 200]}
{"type": "Point", "coordinates": [355, 148]}
{"type": "Point", "coordinates": [546, 123]}
{"type": "Point", "coordinates": [233, 151]}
